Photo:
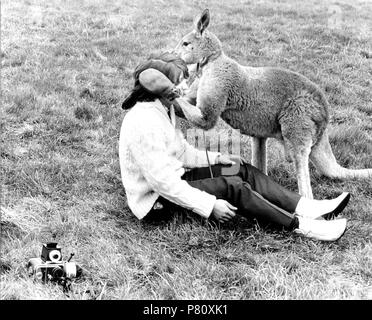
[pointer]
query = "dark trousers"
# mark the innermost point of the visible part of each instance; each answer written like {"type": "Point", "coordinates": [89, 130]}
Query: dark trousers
{"type": "Point", "coordinates": [254, 194]}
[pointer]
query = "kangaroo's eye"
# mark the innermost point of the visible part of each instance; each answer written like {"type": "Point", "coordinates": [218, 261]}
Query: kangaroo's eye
{"type": "Point", "coordinates": [185, 43]}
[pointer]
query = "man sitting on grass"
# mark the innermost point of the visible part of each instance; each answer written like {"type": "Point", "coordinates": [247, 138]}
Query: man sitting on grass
{"type": "Point", "coordinates": [160, 170]}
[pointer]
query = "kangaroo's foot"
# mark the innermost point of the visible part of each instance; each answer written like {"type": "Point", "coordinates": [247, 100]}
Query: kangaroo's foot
{"type": "Point", "coordinates": [259, 154]}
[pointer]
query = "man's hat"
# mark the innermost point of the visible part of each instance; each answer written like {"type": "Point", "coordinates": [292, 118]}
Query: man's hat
{"type": "Point", "coordinates": [168, 63]}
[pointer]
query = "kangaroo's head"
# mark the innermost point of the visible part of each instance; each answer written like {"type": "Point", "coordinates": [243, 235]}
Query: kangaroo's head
{"type": "Point", "coordinates": [200, 45]}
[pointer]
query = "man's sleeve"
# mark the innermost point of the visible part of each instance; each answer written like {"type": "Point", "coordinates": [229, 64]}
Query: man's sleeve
{"type": "Point", "coordinates": [149, 151]}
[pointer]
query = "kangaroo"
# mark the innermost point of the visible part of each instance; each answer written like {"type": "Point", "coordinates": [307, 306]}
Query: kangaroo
{"type": "Point", "coordinates": [263, 102]}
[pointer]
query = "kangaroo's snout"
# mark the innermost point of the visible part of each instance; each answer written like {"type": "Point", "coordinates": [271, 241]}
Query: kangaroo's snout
{"type": "Point", "coordinates": [177, 50]}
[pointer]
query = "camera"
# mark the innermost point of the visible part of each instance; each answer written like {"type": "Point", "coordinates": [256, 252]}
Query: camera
{"type": "Point", "coordinates": [51, 267]}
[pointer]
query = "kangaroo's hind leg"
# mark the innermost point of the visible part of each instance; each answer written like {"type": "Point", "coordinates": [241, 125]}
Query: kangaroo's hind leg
{"type": "Point", "coordinates": [259, 153]}
{"type": "Point", "coordinates": [300, 153]}
{"type": "Point", "coordinates": [298, 131]}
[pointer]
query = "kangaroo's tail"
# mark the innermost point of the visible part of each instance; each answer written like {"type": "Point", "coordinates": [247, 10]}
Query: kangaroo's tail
{"type": "Point", "coordinates": [324, 160]}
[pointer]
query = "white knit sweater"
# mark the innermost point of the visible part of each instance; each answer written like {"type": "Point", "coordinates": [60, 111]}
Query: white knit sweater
{"type": "Point", "coordinates": [153, 157]}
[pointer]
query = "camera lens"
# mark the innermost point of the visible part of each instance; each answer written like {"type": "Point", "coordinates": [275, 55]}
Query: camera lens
{"type": "Point", "coordinates": [55, 256]}
{"type": "Point", "coordinates": [57, 272]}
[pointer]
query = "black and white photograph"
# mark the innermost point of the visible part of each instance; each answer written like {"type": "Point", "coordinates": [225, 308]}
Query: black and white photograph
{"type": "Point", "coordinates": [205, 152]}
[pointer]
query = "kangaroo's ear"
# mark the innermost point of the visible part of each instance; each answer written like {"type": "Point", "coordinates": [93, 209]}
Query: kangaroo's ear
{"type": "Point", "coordinates": [202, 21]}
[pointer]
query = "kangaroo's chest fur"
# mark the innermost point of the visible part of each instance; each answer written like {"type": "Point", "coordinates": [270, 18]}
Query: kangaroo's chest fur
{"type": "Point", "coordinates": [255, 97]}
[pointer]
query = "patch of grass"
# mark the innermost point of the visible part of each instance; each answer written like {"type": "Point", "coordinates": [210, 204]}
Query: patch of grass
{"type": "Point", "coordinates": [350, 155]}
{"type": "Point", "coordinates": [83, 112]}
{"type": "Point", "coordinates": [65, 72]}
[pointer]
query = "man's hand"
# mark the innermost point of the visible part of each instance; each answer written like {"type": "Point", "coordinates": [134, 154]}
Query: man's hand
{"type": "Point", "coordinates": [237, 158]}
{"type": "Point", "coordinates": [224, 159]}
{"type": "Point", "coordinates": [223, 211]}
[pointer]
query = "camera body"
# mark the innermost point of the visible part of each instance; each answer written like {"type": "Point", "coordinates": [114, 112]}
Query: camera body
{"type": "Point", "coordinates": [51, 267]}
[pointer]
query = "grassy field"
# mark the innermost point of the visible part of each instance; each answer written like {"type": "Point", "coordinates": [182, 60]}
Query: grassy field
{"type": "Point", "coordinates": [66, 67]}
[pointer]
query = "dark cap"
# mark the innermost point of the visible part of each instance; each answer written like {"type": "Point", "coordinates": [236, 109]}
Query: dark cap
{"type": "Point", "coordinates": [168, 63]}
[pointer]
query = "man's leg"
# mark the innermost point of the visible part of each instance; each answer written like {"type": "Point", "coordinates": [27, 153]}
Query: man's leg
{"type": "Point", "coordinates": [250, 203]}
{"type": "Point", "coordinates": [276, 194]}
{"type": "Point", "coordinates": [292, 201]}
{"type": "Point", "coordinates": [258, 181]}
{"type": "Point", "coordinates": [253, 205]}
{"type": "Point", "coordinates": [268, 188]}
